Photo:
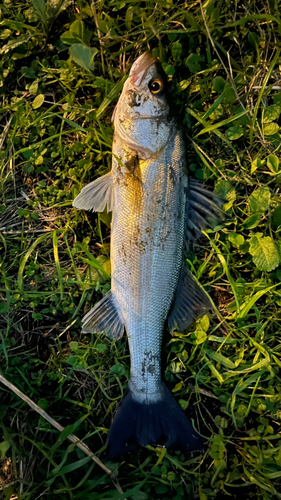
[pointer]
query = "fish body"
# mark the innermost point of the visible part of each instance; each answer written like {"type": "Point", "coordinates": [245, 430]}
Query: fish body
{"type": "Point", "coordinates": [156, 213]}
{"type": "Point", "coordinates": [146, 252]}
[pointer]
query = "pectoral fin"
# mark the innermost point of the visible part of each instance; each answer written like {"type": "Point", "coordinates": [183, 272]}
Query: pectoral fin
{"type": "Point", "coordinates": [105, 317]}
{"type": "Point", "coordinates": [96, 195]}
{"type": "Point", "coordinates": [190, 302]}
{"type": "Point", "coordinates": [202, 208]}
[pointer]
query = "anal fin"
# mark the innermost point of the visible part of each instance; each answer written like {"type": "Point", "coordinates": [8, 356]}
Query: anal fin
{"type": "Point", "coordinates": [190, 302]}
{"type": "Point", "coordinates": [105, 317]}
{"type": "Point", "coordinates": [96, 195]}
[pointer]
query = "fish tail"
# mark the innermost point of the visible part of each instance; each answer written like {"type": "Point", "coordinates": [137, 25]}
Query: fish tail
{"type": "Point", "coordinates": [163, 423]}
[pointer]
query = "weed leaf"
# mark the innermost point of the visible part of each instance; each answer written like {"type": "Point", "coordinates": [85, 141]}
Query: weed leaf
{"type": "Point", "coordinates": [260, 200]}
{"type": "Point", "coordinates": [271, 113]}
{"type": "Point", "coordinates": [84, 56]}
{"type": "Point", "coordinates": [273, 163]}
{"type": "Point", "coordinates": [264, 252]}
{"type": "Point", "coordinates": [38, 101]}
{"type": "Point", "coordinates": [270, 128]}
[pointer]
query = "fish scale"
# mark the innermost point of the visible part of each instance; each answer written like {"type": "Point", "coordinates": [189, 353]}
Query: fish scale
{"type": "Point", "coordinates": [156, 214]}
{"type": "Point", "coordinates": [145, 277]}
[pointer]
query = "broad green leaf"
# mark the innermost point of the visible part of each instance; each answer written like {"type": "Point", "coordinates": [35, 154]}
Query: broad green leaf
{"type": "Point", "coordinates": [43, 404]}
{"type": "Point", "coordinates": [202, 495]}
{"type": "Point", "coordinates": [229, 94]}
{"type": "Point", "coordinates": [12, 44]}
{"type": "Point", "coordinates": [82, 55]}
{"type": "Point", "coordinates": [264, 252]}
{"type": "Point", "coordinates": [77, 29]}
{"type": "Point", "coordinates": [218, 84]}
{"type": "Point", "coordinates": [176, 50]}
{"type": "Point", "coordinates": [38, 101]}
{"type": "Point", "coordinates": [40, 9]}
{"type": "Point", "coordinates": [118, 369]}
{"type": "Point", "coordinates": [270, 128]}
{"type": "Point", "coordinates": [74, 346]}
{"type": "Point", "coordinates": [256, 164]}
{"type": "Point", "coordinates": [203, 323]}
{"type": "Point", "coordinates": [236, 239]}
{"type": "Point", "coordinates": [226, 191]}
{"type": "Point", "coordinates": [101, 348]}
{"type": "Point", "coordinates": [271, 113]}
{"type": "Point", "coordinates": [260, 200]}
{"type": "Point", "coordinates": [4, 446]}
{"type": "Point", "coordinates": [234, 133]}
{"type": "Point", "coordinates": [183, 85]}
{"type": "Point", "coordinates": [39, 160]}
{"type": "Point", "coordinates": [28, 73]}
{"type": "Point", "coordinates": [252, 221]}
{"type": "Point", "coordinates": [201, 336]}
{"type": "Point", "coordinates": [5, 34]}
{"type": "Point", "coordinates": [191, 20]}
{"type": "Point", "coordinates": [253, 38]}
{"type": "Point", "coordinates": [273, 163]}
{"type": "Point", "coordinates": [74, 34]}
{"type": "Point", "coordinates": [68, 38]}
{"type": "Point", "coordinates": [161, 488]}
{"type": "Point", "coordinates": [169, 69]}
{"type": "Point", "coordinates": [33, 88]}
{"type": "Point", "coordinates": [177, 387]}
{"type": "Point", "coordinates": [129, 17]}
{"type": "Point", "coordinates": [193, 62]}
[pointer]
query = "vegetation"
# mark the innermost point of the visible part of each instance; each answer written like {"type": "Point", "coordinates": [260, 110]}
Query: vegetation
{"type": "Point", "coordinates": [62, 67]}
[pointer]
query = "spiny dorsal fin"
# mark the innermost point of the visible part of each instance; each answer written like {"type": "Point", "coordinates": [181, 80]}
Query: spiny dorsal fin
{"type": "Point", "coordinates": [96, 195]}
{"type": "Point", "coordinates": [105, 317]}
{"type": "Point", "coordinates": [202, 208]}
{"type": "Point", "coordinates": [190, 302]}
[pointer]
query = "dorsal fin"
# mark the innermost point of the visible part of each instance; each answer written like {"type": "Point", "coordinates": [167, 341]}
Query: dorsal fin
{"type": "Point", "coordinates": [202, 207]}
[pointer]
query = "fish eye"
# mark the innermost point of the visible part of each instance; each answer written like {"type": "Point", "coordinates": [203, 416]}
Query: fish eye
{"type": "Point", "coordinates": [155, 86]}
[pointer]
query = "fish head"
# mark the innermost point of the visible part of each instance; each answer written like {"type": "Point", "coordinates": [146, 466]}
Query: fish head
{"type": "Point", "coordinates": [141, 117]}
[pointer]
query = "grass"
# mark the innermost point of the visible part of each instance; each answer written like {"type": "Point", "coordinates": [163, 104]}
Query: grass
{"type": "Point", "coordinates": [61, 70]}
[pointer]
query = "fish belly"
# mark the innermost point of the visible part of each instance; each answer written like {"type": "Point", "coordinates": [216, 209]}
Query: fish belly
{"type": "Point", "coordinates": [146, 253]}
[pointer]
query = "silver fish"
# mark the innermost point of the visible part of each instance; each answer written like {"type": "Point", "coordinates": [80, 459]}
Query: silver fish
{"type": "Point", "coordinates": [157, 212]}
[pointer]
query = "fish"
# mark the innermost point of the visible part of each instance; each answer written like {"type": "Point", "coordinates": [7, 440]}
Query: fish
{"type": "Point", "coordinates": [157, 213]}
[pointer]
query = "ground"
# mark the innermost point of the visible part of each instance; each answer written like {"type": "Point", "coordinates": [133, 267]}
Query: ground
{"type": "Point", "coordinates": [62, 67]}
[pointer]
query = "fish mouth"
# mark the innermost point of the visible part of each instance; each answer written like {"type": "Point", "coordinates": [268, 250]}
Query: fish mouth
{"type": "Point", "coordinates": [140, 67]}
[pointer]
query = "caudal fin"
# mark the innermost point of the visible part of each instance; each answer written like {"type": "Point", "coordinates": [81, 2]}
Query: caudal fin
{"type": "Point", "coordinates": [163, 423]}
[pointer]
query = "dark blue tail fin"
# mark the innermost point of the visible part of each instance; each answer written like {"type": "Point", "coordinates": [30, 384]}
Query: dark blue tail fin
{"type": "Point", "coordinates": [163, 423]}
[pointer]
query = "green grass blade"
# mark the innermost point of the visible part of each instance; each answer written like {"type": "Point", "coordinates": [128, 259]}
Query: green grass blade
{"type": "Point", "coordinates": [270, 69]}
{"type": "Point", "coordinates": [213, 127]}
{"type": "Point", "coordinates": [26, 257]}
{"type": "Point", "coordinates": [56, 256]}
